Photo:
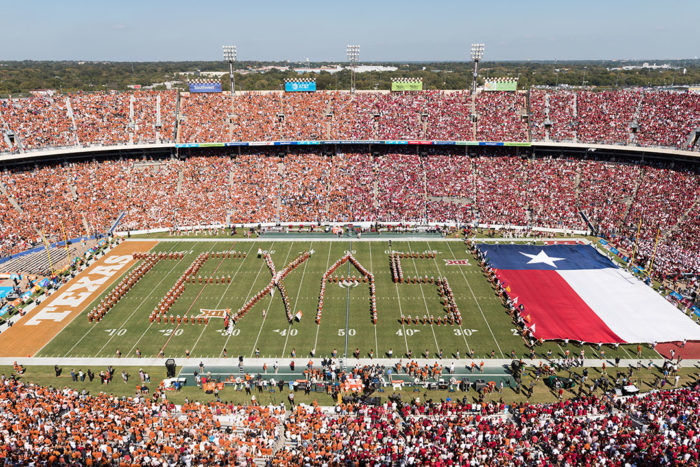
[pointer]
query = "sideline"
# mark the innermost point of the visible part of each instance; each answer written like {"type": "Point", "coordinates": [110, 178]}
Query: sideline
{"type": "Point", "coordinates": [300, 361]}
{"type": "Point", "coordinates": [292, 237]}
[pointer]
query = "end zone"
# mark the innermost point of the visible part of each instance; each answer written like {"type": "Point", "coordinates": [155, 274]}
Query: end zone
{"type": "Point", "coordinates": [34, 330]}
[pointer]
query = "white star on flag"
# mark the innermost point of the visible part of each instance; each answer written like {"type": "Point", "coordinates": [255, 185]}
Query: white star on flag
{"type": "Point", "coordinates": [542, 257]}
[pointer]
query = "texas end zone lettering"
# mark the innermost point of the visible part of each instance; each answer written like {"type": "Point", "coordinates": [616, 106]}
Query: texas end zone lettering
{"type": "Point", "coordinates": [80, 292]}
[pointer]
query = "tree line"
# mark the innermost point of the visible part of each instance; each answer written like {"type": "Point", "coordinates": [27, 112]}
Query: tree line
{"type": "Point", "coordinates": [21, 77]}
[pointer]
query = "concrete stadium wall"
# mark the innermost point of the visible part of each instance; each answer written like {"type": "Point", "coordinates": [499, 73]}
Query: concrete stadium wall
{"type": "Point", "coordinates": [143, 149]}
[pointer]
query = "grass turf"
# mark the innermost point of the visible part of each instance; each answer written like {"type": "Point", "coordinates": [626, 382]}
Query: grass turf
{"type": "Point", "coordinates": [44, 376]}
{"type": "Point", "coordinates": [486, 329]}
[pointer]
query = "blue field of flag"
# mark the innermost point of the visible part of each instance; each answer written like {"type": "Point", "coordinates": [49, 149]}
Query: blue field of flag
{"type": "Point", "coordinates": [544, 257]}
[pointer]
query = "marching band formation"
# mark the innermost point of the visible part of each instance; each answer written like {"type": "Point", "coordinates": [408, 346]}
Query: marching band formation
{"type": "Point", "coordinates": [366, 277]}
{"type": "Point", "coordinates": [276, 281]}
{"type": "Point", "coordinates": [108, 302]}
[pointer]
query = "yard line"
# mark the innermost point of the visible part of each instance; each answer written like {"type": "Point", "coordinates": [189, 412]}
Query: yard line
{"type": "Point", "coordinates": [440, 272]}
{"type": "Point", "coordinates": [289, 328]}
{"type": "Point", "coordinates": [162, 349]}
{"type": "Point", "coordinates": [347, 311]}
{"type": "Point", "coordinates": [627, 352]}
{"type": "Point", "coordinates": [477, 303]}
{"type": "Point", "coordinates": [165, 276]}
{"type": "Point", "coordinates": [420, 286]}
{"type": "Point", "coordinates": [403, 326]}
{"type": "Point", "coordinates": [609, 357]}
{"type": "Point", "coordinates": [255, 345]}
{"type": "Point", "coordinates": [328, 261]}
{"type": "Point", "coordinates": [376, 341]}
{"type": "Point", "coordinates": [221, 298]}
{"type": "Point", "coordinates": [269, 305]}
{"type": "Point", "coordinates": [150, 325]}
{"type": "Point", "coordinates": [262, 263]}
{"type": "Point", "coordinates": [114, 285]}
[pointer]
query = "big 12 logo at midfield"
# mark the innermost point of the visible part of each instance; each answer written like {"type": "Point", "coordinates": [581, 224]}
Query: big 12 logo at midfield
{"type": "Point", "coordinates": [456, 262]}
{"type": "Point", "coordinates": [220, 313]}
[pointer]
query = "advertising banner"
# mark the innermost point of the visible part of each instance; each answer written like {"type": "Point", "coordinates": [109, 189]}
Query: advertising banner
{"type": "Point", "coordinates": [300, 86]}
{"type": "Point", "coordinates": [205, 86]}
{"type": "Point", "coordinates": [407, 85]}
{"type": "Point", "coordinates": [501, 85]}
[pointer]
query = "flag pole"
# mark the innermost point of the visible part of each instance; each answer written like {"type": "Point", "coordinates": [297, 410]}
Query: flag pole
{"type": "Point", "coordinates": [65, 241]}
{"type": "Point", "coordinates": [653, 255]}
{"type": "Point", "coordinates": [636, 241]}
{"type": "Point", "coordinates": [46, 245]}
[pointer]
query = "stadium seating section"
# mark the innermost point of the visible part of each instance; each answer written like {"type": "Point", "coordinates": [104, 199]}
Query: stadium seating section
{"type": "Point", "coordinates": [252, 185]}
{"type": "Point", "coordinates": [308, 186]}
{"type": "Point", "coordinates": [494, 187]}
{"type": "Point", "coordinates": [76, 120]}
{"type": "Point", "coordinates": [646, 117]}
{"type": "Point", "coordinates": [53, 426]}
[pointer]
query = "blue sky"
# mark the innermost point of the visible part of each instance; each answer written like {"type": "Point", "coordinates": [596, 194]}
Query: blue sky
{"type": "Point", "coordinates": [404, 30]}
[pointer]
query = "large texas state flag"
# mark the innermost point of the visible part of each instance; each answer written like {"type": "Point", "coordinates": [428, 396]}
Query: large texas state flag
{"type": "Point", "coordinates": [574, 292]}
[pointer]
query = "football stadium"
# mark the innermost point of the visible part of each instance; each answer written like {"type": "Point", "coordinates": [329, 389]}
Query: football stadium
{"type": "Point", "coordinates": [495, 275]}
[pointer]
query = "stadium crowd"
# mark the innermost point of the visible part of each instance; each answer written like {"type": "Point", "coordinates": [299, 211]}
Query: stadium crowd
{"type": "Point", "coordinates": [646, 117]}
{"type": "Point", "coordinates": [500, 192]}
{"type": "Point", "coordinates": [637, 116]}
{"type": "Point", "coordinates": [64, 426]}
{"type": "Point", "coordinates": [450, 188]}
{"type": "Point", "coordinates": [605, 117]}
{"type": "Point", "coordinates": [491, 187]}
{"type": "Point", "coordinates": [502, 116]}
{"type": "Point", "coordinates": [552, 115]}
{"type": "Point", "coordinates": [50, 120]}
{"type": "Point", "coordinates": [49, 426]}
{"type": "Point", "coordinates": [400, 180]}
{"type": "Point", "coordinates": [660, 428]}
{"type": "Point", "coordinates": [39, 121]}
{"type": "Point", "coordinates": [255, 184]}
{"type": "Point", "coordinates": [351, 191]}
{"type": "Point", "coordinates": [667, 118]}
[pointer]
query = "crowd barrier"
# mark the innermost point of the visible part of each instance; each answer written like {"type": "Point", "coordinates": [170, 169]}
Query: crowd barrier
{"type": "Point", "coordinates": [42, 247]}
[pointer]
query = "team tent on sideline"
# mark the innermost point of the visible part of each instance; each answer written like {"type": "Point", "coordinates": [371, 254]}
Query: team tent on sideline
{"type": "Point", "coordinates": [573, 292]}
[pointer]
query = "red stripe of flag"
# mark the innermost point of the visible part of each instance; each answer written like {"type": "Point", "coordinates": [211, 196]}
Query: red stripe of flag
{"type": "Point", "coordinates": [555, 308]}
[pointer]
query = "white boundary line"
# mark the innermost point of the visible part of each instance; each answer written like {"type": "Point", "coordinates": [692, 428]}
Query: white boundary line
{"type": "Point", "coordinates": [221, 299]}
{"type": "Point", "coordinates": [150, 325]}
{"type": "Point", "coordinates": [88, 306]}
{"type": "Point", "coordinates": [250, 291]}
{"type": "Point", "coordinates": [376, 341]}
{"type": "Point", "coordinates": [437, 266]}
{"type": "Point", "coordinates": [301, 283]}
{"type": "Point", "coordinates": [425, 303]}
{"type": "Point", "coordinates": [149, 362]}
{"type": "Point", "coordinates": [307, 238]}
{"type": "Point", "coordinates": [138, 307]}
{"type": "Point", "coordinates": [262, 325]}
{"type": "Point", "coordinates": [478, 305]}
{"type": "Point", "coordinates": [403, 326]}
{"type": "Point", "coordinates": [328, 261]}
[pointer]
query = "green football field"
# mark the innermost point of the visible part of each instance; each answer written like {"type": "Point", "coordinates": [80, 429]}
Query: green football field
{"type": "Point", "coordinates": [486, 328]}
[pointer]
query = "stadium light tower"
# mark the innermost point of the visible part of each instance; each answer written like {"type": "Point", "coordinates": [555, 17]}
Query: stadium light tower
{"type": "Point", "coordinates": [230, 55]}
{"type": "Point", "coordinates": [353, 52]}
{"type": "Point", "coordinates": [477, 55]}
